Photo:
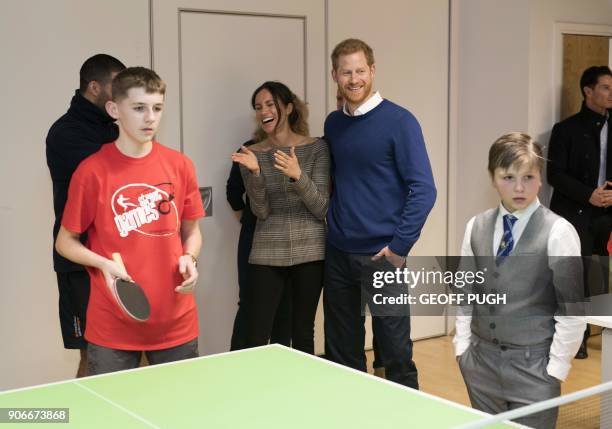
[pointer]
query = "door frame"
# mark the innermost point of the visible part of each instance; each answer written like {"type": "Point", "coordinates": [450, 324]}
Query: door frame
{"type": "Point", "coordinates": [561, 28]}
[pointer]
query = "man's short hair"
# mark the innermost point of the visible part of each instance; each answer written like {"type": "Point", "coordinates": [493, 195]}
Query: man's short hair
{"type": "Point", "coordinates": [591, 75]}
{"type": "Point", "coordinates": [350, 46]}
{"type": "Point", "coordinates": [137, 77]}
{"type": "Point", "coordinates": [100, 68]}
{"type": "Point", "coordinates": [515, 149]}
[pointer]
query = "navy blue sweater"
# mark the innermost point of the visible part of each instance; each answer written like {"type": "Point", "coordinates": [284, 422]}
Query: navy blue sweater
{"type": "Point", "coordinates": [383, 188]}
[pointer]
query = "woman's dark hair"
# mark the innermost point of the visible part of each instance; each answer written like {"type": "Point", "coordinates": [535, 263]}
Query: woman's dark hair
{"type": "Point", "coordinates": [281, 94]}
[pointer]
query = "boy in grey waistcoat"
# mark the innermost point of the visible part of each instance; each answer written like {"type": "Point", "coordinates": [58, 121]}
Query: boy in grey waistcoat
{"type": "Point", "coordinates": [517, 353]}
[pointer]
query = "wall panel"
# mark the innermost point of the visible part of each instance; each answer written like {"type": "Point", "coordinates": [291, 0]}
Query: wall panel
{"type": "Point", "coordinates": [43, 45]}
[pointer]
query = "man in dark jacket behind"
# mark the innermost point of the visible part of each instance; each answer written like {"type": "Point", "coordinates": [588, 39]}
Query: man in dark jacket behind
{"type": "Point", "coordinates": [80, 132]}
{"type": "Point", "coordinates": [580, 168]}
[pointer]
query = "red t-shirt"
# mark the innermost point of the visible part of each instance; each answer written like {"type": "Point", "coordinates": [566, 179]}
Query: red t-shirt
{"type": "Point", "coordinates": [134, 206]}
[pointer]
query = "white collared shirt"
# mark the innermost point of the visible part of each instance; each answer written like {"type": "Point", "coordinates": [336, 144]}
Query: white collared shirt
{"type": "Point", "coordinates": [522, 217]}
{"type": "Point", "coordinates": [603, 151]}
{"type": "Point", "coordinates": [563, 240]}
{"type": "Point", "coordinates": [367, 105]}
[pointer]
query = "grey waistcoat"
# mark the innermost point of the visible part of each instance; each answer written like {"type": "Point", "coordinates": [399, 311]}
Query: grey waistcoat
{"type": "Point", "coordinates": [524, 276]}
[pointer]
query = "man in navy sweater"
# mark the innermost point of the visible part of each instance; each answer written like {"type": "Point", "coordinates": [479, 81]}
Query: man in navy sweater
{"type": "Point", "coordinates": [79, 133]}
{"type": "Point", "coordinates": [383, 190]}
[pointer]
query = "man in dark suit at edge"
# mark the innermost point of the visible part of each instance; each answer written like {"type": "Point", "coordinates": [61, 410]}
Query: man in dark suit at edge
{"type": "Point", "coordinates": [580, 169]}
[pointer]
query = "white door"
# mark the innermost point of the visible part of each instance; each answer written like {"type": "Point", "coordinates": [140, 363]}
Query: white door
{"type": "Point", "coordinates": [220, 52]}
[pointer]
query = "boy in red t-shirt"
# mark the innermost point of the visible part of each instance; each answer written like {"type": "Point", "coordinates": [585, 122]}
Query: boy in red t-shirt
{"type": "Point", "coordinates": [140, 199]}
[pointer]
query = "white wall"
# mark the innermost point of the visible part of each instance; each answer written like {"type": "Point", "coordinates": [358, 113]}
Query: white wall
{"type": "Point", "coordinates": [43, 45]}
{"type": "Point", "coordinates": [490, 96]}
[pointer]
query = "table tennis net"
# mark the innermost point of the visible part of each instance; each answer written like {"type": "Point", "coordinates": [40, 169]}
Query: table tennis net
{"type": "Point", "coordinates": [585, 409]}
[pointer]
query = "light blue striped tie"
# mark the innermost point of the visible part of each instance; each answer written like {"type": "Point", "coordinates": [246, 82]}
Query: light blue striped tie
{"type": "Point", "coordinates": [507, 242]}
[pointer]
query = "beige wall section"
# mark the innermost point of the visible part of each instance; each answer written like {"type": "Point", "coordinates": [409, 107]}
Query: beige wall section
{"type": "Point", "coordinates": [227, 116]}
{"type": "Point", "coordinates": [547, 19]}
{"type": "Point", "coordinates": [43, 45]}
{"type": "Point", "coordinates": [490, 96]}
{"type": "Point", "coordinates": [410, 43]}
{"type": "Point", "coordinates": [166, 56]}
{"type": "Point", "coordinates": [503, 78]}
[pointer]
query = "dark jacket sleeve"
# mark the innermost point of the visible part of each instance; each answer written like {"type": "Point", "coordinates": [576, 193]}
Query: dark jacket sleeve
{"type": "Point", "coordinates": [234, 188]}
{"type": "Point", "coordinates": [559, 165]}
{"type": "Point", "coordinates": [66, 147]}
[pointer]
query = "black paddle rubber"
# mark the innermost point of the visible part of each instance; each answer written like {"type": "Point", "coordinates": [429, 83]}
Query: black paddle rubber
{"type": "Point", "coordinates": [133, 300]}
{"type": "Point", "coordinates": [130, 296]}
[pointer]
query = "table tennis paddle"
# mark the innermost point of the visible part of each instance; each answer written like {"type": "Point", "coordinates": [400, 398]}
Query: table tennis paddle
{"type": "Point", "coordinates": [130, 296]}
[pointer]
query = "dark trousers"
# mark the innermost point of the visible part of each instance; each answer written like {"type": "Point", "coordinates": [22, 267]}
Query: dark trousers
{"type": "Point", "coordinates": [74, 291]}
{"type": "Point", "coordinates": [599, 234]}
{"type": "Point", "coordinates": [595, 240]}
{"type": "Point", "coordinates": [281, 327]}
{"type": "Point", "coordinates": [596, 263]}
{"type": "Point", "coordinates": [344, 322]}
{"type": "Point", "coordinates": [377, 359]}
{"type": "Point", "coordinates": [102, 360]}
{"type": "Point", "coordinates": [267, 285]}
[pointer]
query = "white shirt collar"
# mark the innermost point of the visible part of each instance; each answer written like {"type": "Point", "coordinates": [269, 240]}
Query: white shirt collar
{"type": "Point", "coordinates": [367, 105]}
{"type": "Point", "coordinates": [522, 217]}
{"type": "Point", "coordinates": [520, 214]}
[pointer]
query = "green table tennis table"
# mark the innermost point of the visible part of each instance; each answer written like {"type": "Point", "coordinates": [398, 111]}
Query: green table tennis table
{"type": "Point", "coordinates": [267, 387]}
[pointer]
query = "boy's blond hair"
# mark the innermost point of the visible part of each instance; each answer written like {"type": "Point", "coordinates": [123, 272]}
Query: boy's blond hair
{"type": "Point", "coordinates": [515, 149]}
{"type": "Point", "coordinates": [137, 77]}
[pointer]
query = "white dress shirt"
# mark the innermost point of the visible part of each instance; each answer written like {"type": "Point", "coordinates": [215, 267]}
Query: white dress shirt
{"type": "Point", "coordinates": [563, 240]}
{"type": "Point", "coordinates": [367, 105]}
{"type": "Point", "coordinates": [603, 151]}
